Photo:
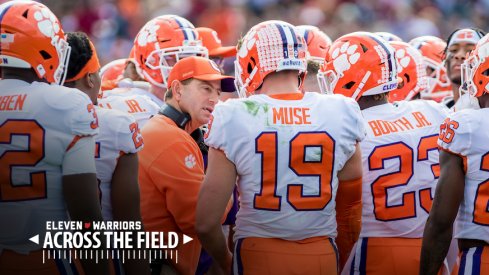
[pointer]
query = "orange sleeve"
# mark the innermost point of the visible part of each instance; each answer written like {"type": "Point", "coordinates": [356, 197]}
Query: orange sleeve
{"type": "Point", "coordinates": [348, 216]}
{"type": "Point", "coordinates": [178, 173]}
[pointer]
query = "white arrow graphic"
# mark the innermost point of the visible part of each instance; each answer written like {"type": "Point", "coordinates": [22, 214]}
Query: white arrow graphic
{"type": "Point", "coordinates": [35, 239]}
{"type": "Point", "coordinates": [186, 239]}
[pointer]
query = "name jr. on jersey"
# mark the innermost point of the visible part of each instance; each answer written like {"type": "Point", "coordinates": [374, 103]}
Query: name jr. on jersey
{"type": "Point", "coordinates": [132, 104]}
{"type": "Point", "coordinates": [384, 127]}
{"type": "Point", "coordinates": [290, 116]}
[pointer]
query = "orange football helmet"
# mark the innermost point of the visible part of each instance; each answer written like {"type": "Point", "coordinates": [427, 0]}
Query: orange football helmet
{"type": "Point", "coordinates": [318, 42]}
{"type": "Point", "coordinates": [161, 43]}
{"type": "Point", "coordinates": [32, 37]}
{"type": "Point", "coordinates": [412, 71]}
{"type": "Point", "coordinates": [268, 47]}
{"type": "Point", "coordinates": [359, 64]}
{"type": "Point", "coordinates": [213, 43]}
{"type": "Point", "coordinates": [432, 48]}
{"type": "Point", "coordinates": [475, 69]}
{"type": "Point", "coordinates": [387, 36]}
{"type": "Point", "coordinates": [111, 73]}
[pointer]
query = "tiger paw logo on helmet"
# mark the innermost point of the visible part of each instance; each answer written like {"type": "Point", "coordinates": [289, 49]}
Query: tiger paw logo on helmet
{"type": "Point", "coordinates": [47, 22]}
{"type": "Point", "coordinates": [344, 57]}
{"type": "Point", "coordinates": [249, 41]}
{"type": "Point", "coordinates": [148, 34]}
{"type": "Point", "coordinates": [403, 59]}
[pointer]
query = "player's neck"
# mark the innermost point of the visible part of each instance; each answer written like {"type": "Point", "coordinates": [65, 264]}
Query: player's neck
{"type": "Point", "coordinates": [366, 102]}
{"type": "Point", "coordinates": [484, 101]}
{"type": "Point", "coordinates": [27, 75]}
{"type": "Point", "coordinates": [280, 84]}
{"type": "Point", "coordinates": [158, 92]}
{"type": "Point", "coordinates": [455, 90]}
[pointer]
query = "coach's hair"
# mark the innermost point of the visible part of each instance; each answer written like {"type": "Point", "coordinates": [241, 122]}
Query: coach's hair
{"type": "Point", "coordinates": [169, 92]}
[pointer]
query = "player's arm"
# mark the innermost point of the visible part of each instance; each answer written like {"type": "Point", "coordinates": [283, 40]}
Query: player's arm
{"type": "Point", "coordinates": [216, 191]}
{"type": "Point", "coordinates": [80, 191]}
{"type": "Point", "coordinates": [349, 205]}
{"type": "Point", "coordinates": [126, 204]}
{"type": "Point", "coordinates": [439, 227]}
{"type": "Point", "coordinates": [125, 189]}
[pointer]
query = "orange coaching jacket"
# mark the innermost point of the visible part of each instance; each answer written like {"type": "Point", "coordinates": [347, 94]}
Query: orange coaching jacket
{"type": "Point", "coordinates": [171, 171]}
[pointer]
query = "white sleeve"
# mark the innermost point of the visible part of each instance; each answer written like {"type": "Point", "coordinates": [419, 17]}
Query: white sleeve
{"type": "Point", "coordinates": [455, 132]}
{"type": "Point", "coordinates": [359, 121]}
{"type": "Point", "coordinates": [82, 116]}
{"type": "Point", "coordinates": [128, 134]}
{"type": "Point", "coordinates": [215, 136]}
{"type": "Point", "coordinates": [355, 130]}
{"type": "Point", "coordinates": [79, 158]}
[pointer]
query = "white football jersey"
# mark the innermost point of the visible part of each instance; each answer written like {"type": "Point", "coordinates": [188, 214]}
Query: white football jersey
{"type": "Point", "coordinates": [400, 167]}
{"type": "Point", "coordinates": [465, 133]}
{"type": "Point", "coordinates": [119, 134]}
{"type": "Point", "coordinates": [287, 154]}
{"type": "Point", "coordinates": [133, 90]}
{"type": "Point", "coordinates": [139, 106]}
{"type": "Point", "coordinates": [38, 124]}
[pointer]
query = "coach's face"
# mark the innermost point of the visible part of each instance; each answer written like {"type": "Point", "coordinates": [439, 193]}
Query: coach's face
{"type": "Point", "coordinates": [198, 98]}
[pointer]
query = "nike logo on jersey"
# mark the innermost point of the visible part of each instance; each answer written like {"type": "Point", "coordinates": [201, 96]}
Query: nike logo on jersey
{"type": "Point", "coordinates": [291, 116]}
{"type": "Point", "coordinates": [383, 127]}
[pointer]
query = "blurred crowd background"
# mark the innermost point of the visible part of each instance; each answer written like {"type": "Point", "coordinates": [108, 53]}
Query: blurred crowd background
{"type": "Point", "coordinates": [113, 24]}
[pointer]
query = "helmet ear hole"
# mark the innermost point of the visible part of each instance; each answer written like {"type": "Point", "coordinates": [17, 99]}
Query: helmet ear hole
{"type": "Point", "coordinates": [249, 68]}
{"type": "Point", "coordinates": [45, 55]}
{"type": "Point", "coordinates": [349, 85]}
{"type": "Point", "coordinates": [364, 48]}
{"type": "Point", "coordinates": [25, 14]}
{"type": "Point", "coordinates": [407, 77]}
{"type": "Point", "coordinates": [251, 65]}
{"type": "Point", "coordinates": [486, 72]}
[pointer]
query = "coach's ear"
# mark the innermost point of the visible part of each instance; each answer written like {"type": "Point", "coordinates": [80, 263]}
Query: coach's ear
{"type": "Point", "coordinates": [177, 89]}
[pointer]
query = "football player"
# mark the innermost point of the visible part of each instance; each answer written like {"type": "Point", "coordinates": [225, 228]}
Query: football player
{"type": "Point", "coordinates": [411, 72]}
{"type": "Point", "coordinates": [218, 54]}
{"type": "Point", "coordinates": [318, 44]}
{"type": "Point", "coordinates": [399, 154]}
{"type": "Point", "coordinates": [432, 48]}
{"type": "Point", "coordinates": [160, 43]}
{"type": "Point", "coordinates": [462, 193]}
{"type": "Point", "coordinates": [47, 168]}
{"type": "Point", "coordinates": [117, 144]}
{"type": "Point", "coordinates": [459, 44]}
{"type": "Point", "coordinates": [289, 158]}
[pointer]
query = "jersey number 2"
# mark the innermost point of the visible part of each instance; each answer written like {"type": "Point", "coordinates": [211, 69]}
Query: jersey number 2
{"type": "Point", "coordinates": [481, 203]}
{"type": "Point", "coordinates": [380, 187]}
{"type": "Point", "coordinates": [35, 185]}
